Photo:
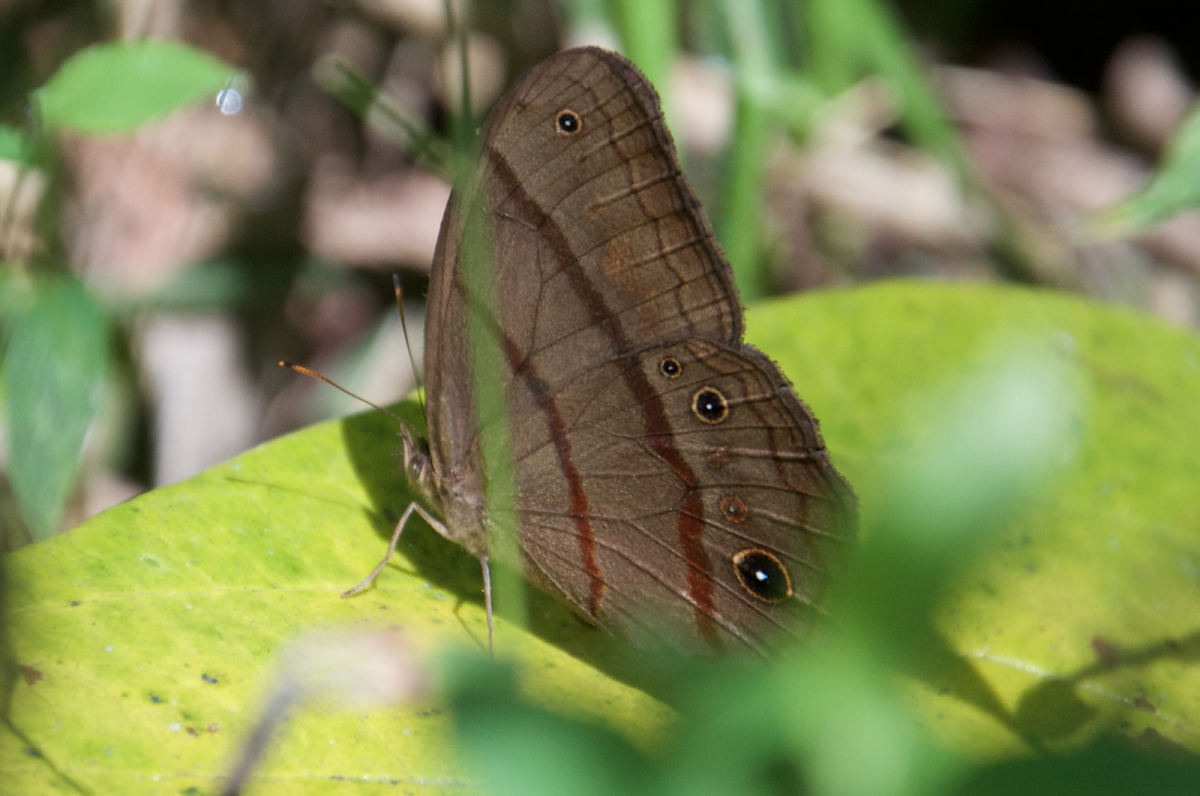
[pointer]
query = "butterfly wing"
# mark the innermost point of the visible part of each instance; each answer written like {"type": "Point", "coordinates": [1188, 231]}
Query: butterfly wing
{"type": "Point", "coordinates": [604, 267]}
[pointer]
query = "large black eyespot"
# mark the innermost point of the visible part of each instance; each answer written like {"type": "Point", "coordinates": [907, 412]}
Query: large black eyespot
{"type": "Point", "coordinates": [763, 575]}
{"type": "Point", "coordinates": [568, 122]}
{"type": "Point", "coordinates": [709, 405]}
{"type": "Point", "coordinates": [670, 367]}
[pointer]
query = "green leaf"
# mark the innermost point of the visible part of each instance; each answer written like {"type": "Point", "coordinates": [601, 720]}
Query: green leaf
{"type": "Point", "coordinates": [147, 634]}
{"type": "Point", "coordinates": [115, 87]}
{"type": "Point", "coordinates": [54, 370]}
{"type": "Point", "coordinates": [521, 750]}
{"type": "Point", "coordinates": [1080, 618]}
{"type": "Point", "coordinates": [1083, 616]}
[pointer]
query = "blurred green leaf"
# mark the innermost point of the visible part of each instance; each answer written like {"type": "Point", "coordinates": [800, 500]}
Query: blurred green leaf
{"type": "Point", "coordinates": [54, 369]}
{"type": "Point", "coordinates": [1108, 769]}
{"type": "Point", "coordinates": [15, 146]}
{"type": "Point", "coordinates": [1175, 187]}
{"type": "Point", "coordinates": [521, 750]}
{"type": "Point", "coordinates": [16, 293]}
{"type": "Point", "coordinates": [116, 87]}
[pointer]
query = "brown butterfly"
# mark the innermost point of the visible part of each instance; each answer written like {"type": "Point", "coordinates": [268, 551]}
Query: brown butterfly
{"type": "Point", "coordinates": [669, 485]}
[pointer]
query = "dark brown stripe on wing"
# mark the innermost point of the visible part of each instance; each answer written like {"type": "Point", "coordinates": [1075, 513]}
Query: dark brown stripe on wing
{"type": "Point", "coordinates": [690, 517]}
{"type": "Point", "coordinates": [580, 509]}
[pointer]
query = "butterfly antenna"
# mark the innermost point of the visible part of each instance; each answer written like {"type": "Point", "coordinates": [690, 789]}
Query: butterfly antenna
{"type": "Point", "coordinates": [310, 372]}
{"type": "Point", "coordinates": [408, 342]}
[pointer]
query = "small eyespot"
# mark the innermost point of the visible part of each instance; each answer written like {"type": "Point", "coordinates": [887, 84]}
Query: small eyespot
{"type": "Point", "coordinates": [670, 367]}
{"type": "Point", "coordinates": [709, 405]}
{"type": "Point", "coordinates": [734, 509]}
{"type": "Point", "coordinates": [762, 575]}
{"type": "Point", "coordinates": [568, 122]}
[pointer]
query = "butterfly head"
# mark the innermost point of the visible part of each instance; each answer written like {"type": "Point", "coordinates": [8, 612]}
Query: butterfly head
{"type": "Point", "coordinates": [418, 465]}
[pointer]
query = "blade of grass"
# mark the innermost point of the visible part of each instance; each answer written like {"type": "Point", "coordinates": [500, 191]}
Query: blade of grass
{"type": "Point", "coordinates": [649, 35]}
{"type": "Point", "coordinates": [740, 225]}
{"type": "Point", "coordinates": [478, 271]}
{"type": "Point", "coordinates": [386, 114]}
{"type": "Point", "coordinates": [1172, 189]}
{"type": "Point", "coordinates": [852, 38]}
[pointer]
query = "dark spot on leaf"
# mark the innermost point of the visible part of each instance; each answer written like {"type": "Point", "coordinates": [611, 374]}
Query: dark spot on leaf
{"type": "Point", "coordinates": [1141, 703]}
{"type": "Point", "coordinates": [31, 675]}
{"type": "Point", "coordinates": [1106, 651]}
{"type": "Point", "coordinates": [208, 679]}
{"type": "Point", "coordinates": [156, 699]}
{"type": "Point", "coordinates": [191, 730]}
{"type": "Point", "coordinates": [75, 603]}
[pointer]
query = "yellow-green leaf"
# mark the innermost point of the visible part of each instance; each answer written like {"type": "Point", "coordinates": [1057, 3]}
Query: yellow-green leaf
{"type": "Point", "coordinates": [1085, 615]}
{"type": "Point", "coordinates": [146, 635]}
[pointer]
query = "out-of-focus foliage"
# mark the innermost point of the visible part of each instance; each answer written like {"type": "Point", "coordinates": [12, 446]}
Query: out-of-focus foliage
{"type": "Point", "coordinates": [14, 146]}
{"type": "Point", "coordinates": [1174, 188]}
{"type": "Point", "coordinates": [54, 369]}
{"type": "Point", "coordinates": [108, 88]}
{"type": "Point", "coordinates": [56, 357]}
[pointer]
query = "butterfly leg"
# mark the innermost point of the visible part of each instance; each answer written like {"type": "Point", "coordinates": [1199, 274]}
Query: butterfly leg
{"type": "Point", "coordinates": [487, 601]}
{"type": "Point", "coordinates": [429, 518]}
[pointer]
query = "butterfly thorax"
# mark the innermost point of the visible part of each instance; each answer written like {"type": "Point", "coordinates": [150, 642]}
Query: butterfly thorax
{"type": "Point", "coordinates": [446, 494]}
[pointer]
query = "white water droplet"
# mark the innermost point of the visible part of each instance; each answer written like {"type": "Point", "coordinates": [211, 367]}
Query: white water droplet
{"type": "Point", "coordinates": [229, 100]}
